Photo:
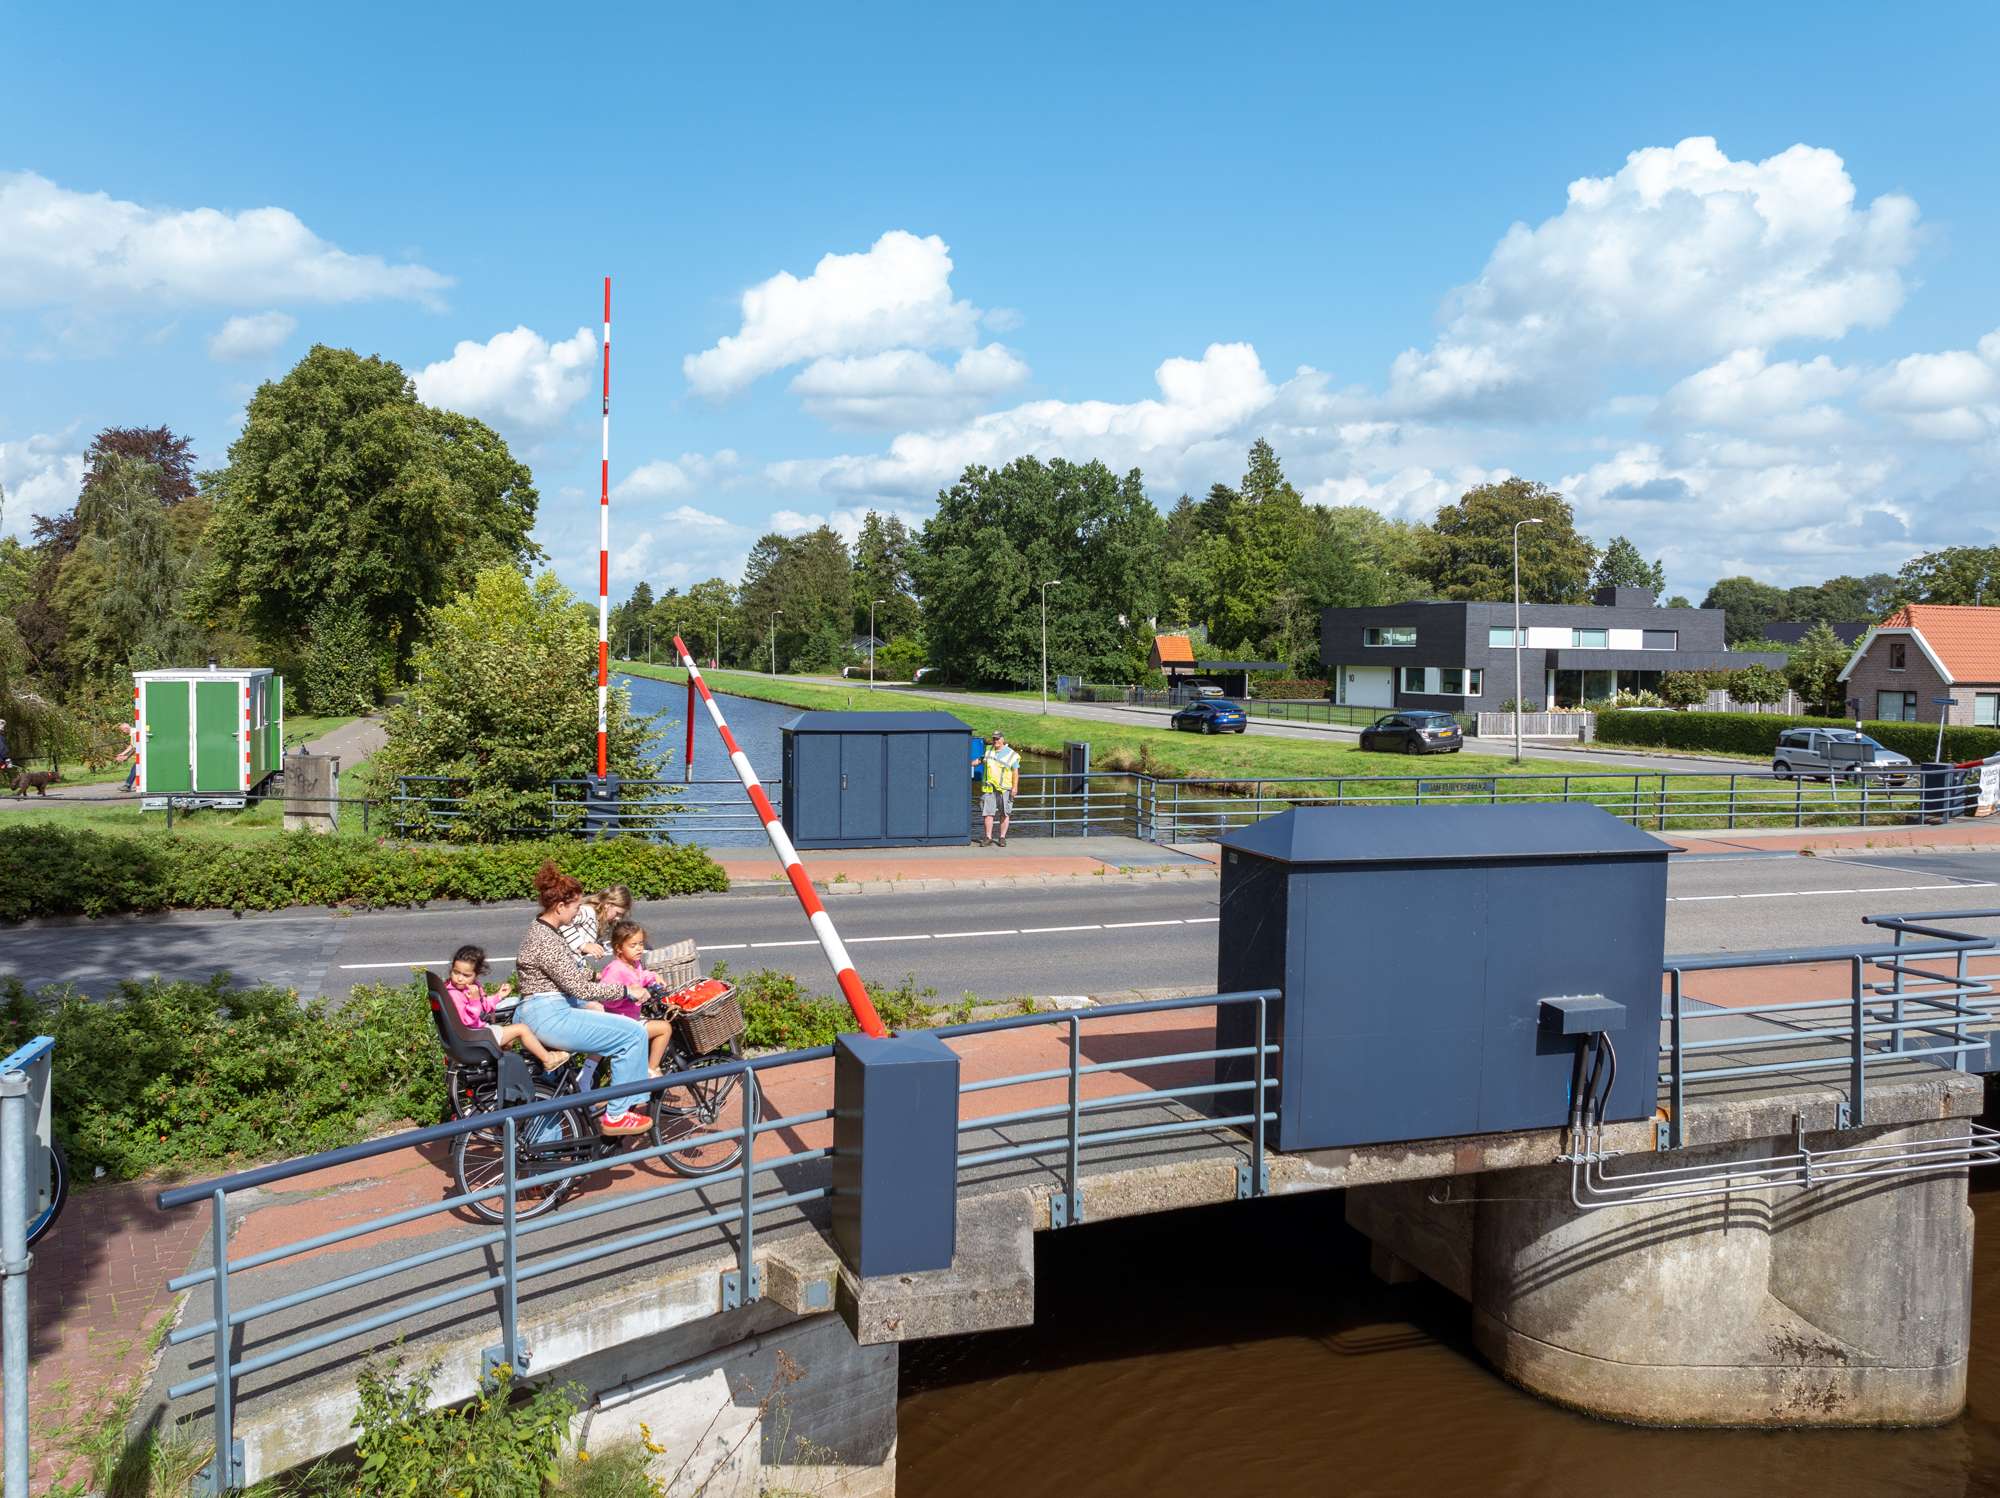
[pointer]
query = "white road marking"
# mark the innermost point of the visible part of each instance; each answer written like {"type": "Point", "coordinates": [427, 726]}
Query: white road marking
{"type": "Point", "coordinates": [1129, 925]}
{"type": "Point", "coordinates": [1801, 894]}
{"type": "Point", "coordinates": [757, 945]}
{"type": "Point", "coordinates": [1049, 930]}
{"type": "Point", "coordinates": [950, 935]}
{"type": "Point", "coordinates": [855, 941]}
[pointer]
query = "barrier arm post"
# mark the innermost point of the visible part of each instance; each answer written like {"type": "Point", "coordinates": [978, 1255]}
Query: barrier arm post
{"type": "Point", "coordinates": [851, 987]}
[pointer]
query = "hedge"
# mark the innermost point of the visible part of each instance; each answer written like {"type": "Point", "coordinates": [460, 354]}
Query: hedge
{"type": "Point", "coordinates": [1757, 733]}
{"type": "Point", "coordinates": [1288, 687]}
{"type": "Point", "coordinates": [47, 869]}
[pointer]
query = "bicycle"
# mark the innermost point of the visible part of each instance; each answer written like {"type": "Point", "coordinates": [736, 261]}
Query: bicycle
{"type": "Point", "coordinates": [555, 1142]}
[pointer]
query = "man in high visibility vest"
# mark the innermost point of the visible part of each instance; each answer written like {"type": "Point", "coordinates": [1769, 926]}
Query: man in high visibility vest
{"type": "Point", "coordinates": [999, 774]}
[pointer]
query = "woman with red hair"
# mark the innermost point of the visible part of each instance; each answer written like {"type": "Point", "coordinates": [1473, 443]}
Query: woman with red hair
{"type": "Point", "coordinates": [564, 1006]}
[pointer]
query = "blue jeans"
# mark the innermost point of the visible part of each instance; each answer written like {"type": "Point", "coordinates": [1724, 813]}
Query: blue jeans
{"type": "Point", "coordinates": [565, 1026]}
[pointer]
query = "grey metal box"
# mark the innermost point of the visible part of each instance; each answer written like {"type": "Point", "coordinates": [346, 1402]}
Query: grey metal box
{"type": "Point", "coordinates": [862, 780]}
{"type": "Point", "coordinates": [895, 1153]}
{"type": "Point", "coordinates": [1413, 947]}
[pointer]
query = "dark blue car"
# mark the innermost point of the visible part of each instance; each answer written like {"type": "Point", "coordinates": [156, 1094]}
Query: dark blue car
{"type": "Point", "coordinates": [1212, 715]}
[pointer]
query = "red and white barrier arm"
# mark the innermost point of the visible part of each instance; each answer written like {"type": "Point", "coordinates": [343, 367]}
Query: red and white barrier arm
{"type": "Point", "coordinates": [851, 987]}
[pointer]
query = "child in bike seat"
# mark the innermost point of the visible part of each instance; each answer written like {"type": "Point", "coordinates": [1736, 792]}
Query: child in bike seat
{"type": "Point", "coordinates": [628, 966]}
{"type": "Point", "coordinates": [475, 1006]}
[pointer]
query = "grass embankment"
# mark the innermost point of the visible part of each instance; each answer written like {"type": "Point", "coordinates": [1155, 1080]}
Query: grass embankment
{"type": "Point", "coordinates": [1691, 801]}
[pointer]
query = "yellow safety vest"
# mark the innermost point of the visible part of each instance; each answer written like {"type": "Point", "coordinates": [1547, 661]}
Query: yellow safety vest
{"type": "Point", "coordinates": [1002, 770]}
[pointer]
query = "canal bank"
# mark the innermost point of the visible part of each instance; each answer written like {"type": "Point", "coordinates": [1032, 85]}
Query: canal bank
{"type": "Point", "coordinates": [1248, 1349]}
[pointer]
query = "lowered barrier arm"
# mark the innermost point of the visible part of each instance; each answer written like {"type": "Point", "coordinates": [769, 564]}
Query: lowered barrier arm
{"type": "Point", "coordinates": [851, 987]}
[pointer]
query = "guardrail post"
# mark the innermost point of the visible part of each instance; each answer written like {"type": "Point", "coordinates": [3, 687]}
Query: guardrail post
{"type": "Point", "coordinates": [14, 1263]}
{"type": "Point", "coordinates": [225, 1469]}
{"type": "Point", "coordinates": [1257, 1128]}
{"type": "Point", "coordinates": [1798, 801]}
{"type": "Point", "coordinates": [1677, 1064]}
{"type": "Point", "coordinates": [749, 1282]}
{"type": "Point", "coordinates": [1857, 1080]}
{"type": "Point", "coordinates": [510, 1327]}
{"type": "Point", "coordinates": [1732, 800]}
{"type": "Point", "coordinates": [1073, 1202]}
{"type": "Point", "coordinates": [1661, 824]}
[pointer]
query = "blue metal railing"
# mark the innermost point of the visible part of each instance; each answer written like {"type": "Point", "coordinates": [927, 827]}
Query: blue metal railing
{"type": "Point", "coordinates": [228, 1320]}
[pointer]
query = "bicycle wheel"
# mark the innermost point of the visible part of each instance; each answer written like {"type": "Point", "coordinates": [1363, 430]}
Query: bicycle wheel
{"type": "Point", "coordinates": [696, 1109]}
{"type": "Point", "coordinates": [548, 1142]}
{"type": "Point", "coordinates": [58, 1193]}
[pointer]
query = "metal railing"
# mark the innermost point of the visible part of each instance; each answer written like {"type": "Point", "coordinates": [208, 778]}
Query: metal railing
{"type": "Point", "coordinates": [753, 1196]}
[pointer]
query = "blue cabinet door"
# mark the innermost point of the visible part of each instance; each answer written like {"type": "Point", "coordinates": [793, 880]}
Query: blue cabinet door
{"type": "Point", "coordinates": [950, 788]}
{"type": "Point", "coordinates": [815, 786]}
{"type": "Point", "coordinates": [907, 816]}
{"type": "Point", "coordinates": [861, 788]}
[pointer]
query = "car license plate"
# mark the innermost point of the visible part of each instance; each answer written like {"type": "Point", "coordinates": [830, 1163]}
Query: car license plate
{"type": "Point", "coordinates": [1448, 733]}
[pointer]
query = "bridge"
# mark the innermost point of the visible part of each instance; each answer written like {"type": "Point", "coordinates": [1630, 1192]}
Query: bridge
{"type": "Point", "coordinates": [1785, 1240]}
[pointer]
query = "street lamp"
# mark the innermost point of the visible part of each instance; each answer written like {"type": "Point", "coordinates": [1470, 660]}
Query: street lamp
{"type": "Point", "coordinates": [1054, 582]}
{"type": "Point", "coordinates": [715, 660]}
{"type": "Point", "coordinates": [774, 640]}
{"type": "Point", "coordinates": [1531, 520]}
{"type": "Point", "coordinates": [871, 640]}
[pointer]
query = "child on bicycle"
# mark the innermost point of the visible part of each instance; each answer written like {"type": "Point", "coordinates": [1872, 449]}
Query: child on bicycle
{"type": "Point", "coordinates": [628, 966]}
{"type": "Point", "coordinates": [475, 1006]}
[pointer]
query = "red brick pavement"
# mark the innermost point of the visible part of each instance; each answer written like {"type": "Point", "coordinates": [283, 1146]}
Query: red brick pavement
{"type": "Point", "coordinates": [96, 1294]}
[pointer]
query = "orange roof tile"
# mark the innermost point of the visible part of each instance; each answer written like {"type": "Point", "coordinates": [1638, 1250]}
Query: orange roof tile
{"type": "Point", "coordinates": [1173, 650]}
{"type": "Point", "coordinates": [1965, 638]}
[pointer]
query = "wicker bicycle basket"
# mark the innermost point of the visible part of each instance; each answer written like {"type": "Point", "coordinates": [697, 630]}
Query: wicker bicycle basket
{"type": "Point", "coordinates": [676, 964]}
{"type": "Point", "coordinates": [713, 1026]}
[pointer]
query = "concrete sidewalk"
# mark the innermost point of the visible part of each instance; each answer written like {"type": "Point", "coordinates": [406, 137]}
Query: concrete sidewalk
{"type": "Point", "coordinates": [1042, 858]}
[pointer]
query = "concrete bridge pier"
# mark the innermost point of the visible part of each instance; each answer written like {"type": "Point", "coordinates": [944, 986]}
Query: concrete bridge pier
{"type": "Point", "coordinates": [1844, 1305]}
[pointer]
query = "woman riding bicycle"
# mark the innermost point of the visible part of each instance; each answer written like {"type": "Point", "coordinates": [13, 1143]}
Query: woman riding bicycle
{"type": "Point", "coordinates": [564, 1006]}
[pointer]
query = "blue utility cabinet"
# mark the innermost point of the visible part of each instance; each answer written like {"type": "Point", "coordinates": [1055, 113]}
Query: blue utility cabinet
{"type": "Point", "coordinates": [1414, 946]}
{"type": "Point", "coordinates": [865, 780]}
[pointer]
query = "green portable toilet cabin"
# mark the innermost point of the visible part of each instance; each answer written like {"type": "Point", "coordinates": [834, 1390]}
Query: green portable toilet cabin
{"type": "Point", "coordinates": [212, 734]}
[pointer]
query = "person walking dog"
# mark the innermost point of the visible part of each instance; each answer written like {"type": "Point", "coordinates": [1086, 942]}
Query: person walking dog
{"type": "Point", "coordinates": [999, 774]}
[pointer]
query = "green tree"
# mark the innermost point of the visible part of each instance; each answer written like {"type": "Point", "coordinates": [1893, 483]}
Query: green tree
{"type": "Point", "coordinates": [123, 589]}
{"type": "Point", "coordinates": [882, 570]}
{"type": "Point", "coordinates": [1468, 551]}
{"type": "Point", "coordinates": [1814, 669]}
{"type": "Point", "coordinates": [804, 587]}
{"type": "Point", "coordinates": [1622, 566]}
{"type": "Point", "coordinates": [998, 533]}
{"type": "Point", "coordinates": [1758, 685]}
{"type": "Point", "coordinates": [1679, 601]}
{"type": "Point", "coordinates": [344, 483]}
{"type": "Point", "coordinates": [503, 699]}
{"type": "Point", "coordinates": [1752, 607]}
{"type": "Point", "coordinates": [1683, 689]}
{"type": "Point", "coordinates": [337, 662]}
{"type": "Point", "coordinates": [629, 620]}
{"type": "Point", "coordinates": [1958, 574]}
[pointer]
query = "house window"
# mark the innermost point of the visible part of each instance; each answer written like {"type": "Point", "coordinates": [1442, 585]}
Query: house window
{"type": "Point", "coordinates": [1501, 637]}
{"type": "Point", "coordinates": [1458, 681]}
{"type": "Point", "coordinates": [1590, 639]}
{"type": "Point", "coordinates": [1389, 634]}
{"type": "Point", "coordinates": [1896, 707]}
{"type": "Point", "coordinates": [1898, 655]}
{"type": "Point", "coordinates": [1660, 639]}
{"type": "Point", "coordinates": [1986, 709]}
{"type": "Point", "coordinates": [1413, 678]}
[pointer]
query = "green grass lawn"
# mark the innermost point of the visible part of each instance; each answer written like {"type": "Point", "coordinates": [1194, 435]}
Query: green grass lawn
{"type": "Point", "coordinates": [1241, 761]}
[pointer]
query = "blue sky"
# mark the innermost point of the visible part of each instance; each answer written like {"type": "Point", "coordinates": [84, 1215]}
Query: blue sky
{"type": "Point", "coordinates": [1750, 336]}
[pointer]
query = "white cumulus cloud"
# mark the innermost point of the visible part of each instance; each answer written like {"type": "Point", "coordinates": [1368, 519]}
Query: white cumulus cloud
{"type": "Point", "coordinates": [59, 245]}
{"type": "Point", "coordinates": [906, 388]}
{"type": "Point", "coordinates": [517, 378]}
{"type": "Point", "coordinates": [895, 294]}
{"type": "Point", "coordinates": [1747, 392]}
{"type": "Point", "coordinates": [39, 475]}
{"type": "Point", "coordinates": [252, 335]}
{"type": "Point", "coordinates": [1684, 253]}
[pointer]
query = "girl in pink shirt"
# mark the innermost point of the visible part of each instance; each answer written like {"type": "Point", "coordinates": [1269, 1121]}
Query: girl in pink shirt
{"type": "Point", "coordinates": [475, 1006]}
{"type": "Point", "coordinates": [627, 966]}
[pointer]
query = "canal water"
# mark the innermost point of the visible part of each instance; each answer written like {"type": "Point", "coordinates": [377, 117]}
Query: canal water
{"type": "Point", "coordinates": [1246, 1350]}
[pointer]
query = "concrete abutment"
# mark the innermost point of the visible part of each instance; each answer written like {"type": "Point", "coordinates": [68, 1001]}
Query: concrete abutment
{"type": "Point", "coordinates": [1843, 1305]}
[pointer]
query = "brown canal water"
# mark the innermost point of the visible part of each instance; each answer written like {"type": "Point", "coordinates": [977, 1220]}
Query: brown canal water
{"type": "Point", "coordinates": [1247, 1350]}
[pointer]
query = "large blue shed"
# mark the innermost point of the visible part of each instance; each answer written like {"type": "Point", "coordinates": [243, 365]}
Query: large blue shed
{"type": "Point", "coordinates": [1414, 945]}
{"type": "Point", "coordinates": [862, 780]}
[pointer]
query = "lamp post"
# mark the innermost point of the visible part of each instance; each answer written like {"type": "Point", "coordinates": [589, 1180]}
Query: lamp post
{"type": "Point", "coordinates": [871, 640]}
{"type": "Point", "coordinates": [1531, 520]}
{"type": "Point", "coordinates": [715, 660]}
{"type": "Point", "coordinates": [1054, 582]}
{"type": "Point", "coordinates": [649, 644]}
{"type": "Point", "coordinates": [774, 640]}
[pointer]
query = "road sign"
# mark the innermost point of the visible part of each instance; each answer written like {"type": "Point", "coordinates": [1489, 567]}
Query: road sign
{"type": "Point", "coordinates": [1944, 702]}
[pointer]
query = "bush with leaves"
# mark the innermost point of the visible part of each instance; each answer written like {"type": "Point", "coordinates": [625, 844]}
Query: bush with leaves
{"type": "Point", "coordinates": [50, 870]}
{"type": "Point", "coordinates": [496, 1446]}
{"type": "Point", "coordinates": [501, 703]}
{"type": "Point", "coordinates": [338, 664]}
{"type": "Point", "coordinates": [1757, 733]}
{"type": "Point", "coordinates": [177, 1074]}
{"type": "Point", "coordinates": [780, 1013]}
{"type": "Point", "coordinates": [901, 658]}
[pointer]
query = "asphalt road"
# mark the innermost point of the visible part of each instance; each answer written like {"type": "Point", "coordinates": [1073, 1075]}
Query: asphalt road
{"type": "Point", "coordinates": [996, 943]}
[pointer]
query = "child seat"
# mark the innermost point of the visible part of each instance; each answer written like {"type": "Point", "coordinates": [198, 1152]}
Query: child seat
{"type": "Point", "coordinates": [475, 1054]}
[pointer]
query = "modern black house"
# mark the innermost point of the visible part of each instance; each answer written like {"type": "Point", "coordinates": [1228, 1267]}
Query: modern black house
{"type": "Point", "coordinates": [1460, 656]}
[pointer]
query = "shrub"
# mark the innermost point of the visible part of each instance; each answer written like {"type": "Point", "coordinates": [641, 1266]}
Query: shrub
{"type": "Point", "coordinates": [1287, 686]}
{"type": "Point", "coordinates": [497, 1446]}
{"type": "Point", "coordinates": [780, 1013]}
{"type": "Point", "coordinates": [337, 667]}
{"type": "Point", "coordinates": [47, 869]}
{"type": "Point", "coordinates": [1757, 733]}
{"type": "Point", "coordinates": [179, 1074]}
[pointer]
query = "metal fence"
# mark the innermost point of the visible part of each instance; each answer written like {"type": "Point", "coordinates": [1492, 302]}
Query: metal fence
{"type": "Point", "coordinates": [737, 1206]}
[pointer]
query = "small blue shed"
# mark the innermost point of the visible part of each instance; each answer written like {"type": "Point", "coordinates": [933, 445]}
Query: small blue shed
{"type": "Point", "coordinates": [866, 780]}
{"type": "Point", "coordinates": [1414, 945]}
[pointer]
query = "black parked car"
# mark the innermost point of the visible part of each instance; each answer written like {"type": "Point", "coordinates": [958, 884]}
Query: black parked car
{"type": "Point", "coordinates": [1414, 732]}
{"type": "Point", "coordinates": [1212, 715]}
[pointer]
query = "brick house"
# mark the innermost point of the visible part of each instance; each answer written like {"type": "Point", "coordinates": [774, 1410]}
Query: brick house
{"type": "Point", "coordinates": [1924, 651]}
